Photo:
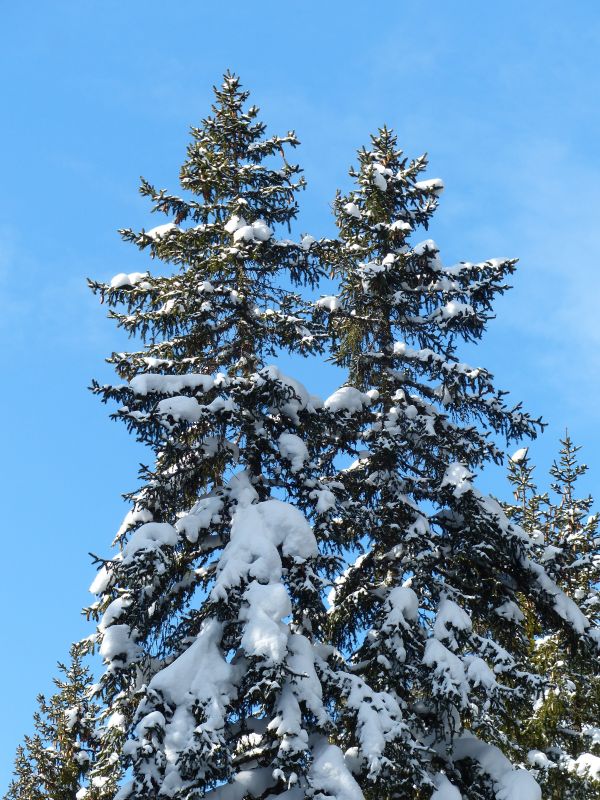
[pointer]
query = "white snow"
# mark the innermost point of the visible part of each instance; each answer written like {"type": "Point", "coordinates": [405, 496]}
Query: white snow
{"type": "Point", "coordinates": [459, 477]}
{"type": "Point", "coordinates": [150, 537]}
{"type": "Point", "coordinates": [347, 398]}
{"type": "Point", "coordinates": [258, 231]}
{"type": "Point", "coordinates": [118, 644]}
{"type": "Point", "coordinates": [538, 759]}
{"type": "Point", "coordinates": [444, 790]}
{"type": "Point", "coordinates": [205, 511]}
{"type": "Point", "coordinates": [301, 398]}
{"type": "Point", "coordinates": [450, 615]}
{"type": "Point", "coordinates": [149, 383]}
{"type": "Point", "coordinates": [307, 242]}
{"type": "Point", "coordinates": [377, 174]}
{"type": "Point", "coordinates": [400, 225]}
{"type": "Point", "coordinates": [265, 635]}
{"type": "Point", "coordinates": [352, 210]}
{"type": "Point", "coordinates": [509, 610]}
{"type": "Point", "coordinates": [330, 776]}
{"type": "Point", "coordinates": [519, 455]}
{"type": "Point", "coordinates": [509, 783]}
{"type": "Point", "coordinates": [479, 673]}
{"type": "Point", "coordinates": [433, 184]}
{"type": "Point", "coordinates": [294, 450]}
{"type": "Point", "coordinates": [181, 407]}
{"type": "Point", "coordinates": [257, 533]}
{"type": "Point", "coordinates": [127, 279]}
{"type": "Point", "coordinates": [448, 670]}
{"type": "Point", "coordinates": [586, 765]}
{"type": "Point", "coordinates": [161, 231]}
{"type": "Point", "coordinates": [330, 303]}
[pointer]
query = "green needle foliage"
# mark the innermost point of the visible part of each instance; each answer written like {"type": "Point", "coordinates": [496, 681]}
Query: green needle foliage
{"type": "Point", "coordinates": [53, 762]}
{"type": "Point", "coordinates": [563, 732]}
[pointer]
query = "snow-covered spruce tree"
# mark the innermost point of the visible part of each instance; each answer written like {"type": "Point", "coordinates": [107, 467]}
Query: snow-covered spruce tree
{"type": "Point", "coordinates": [428, 611]}
{"type": "Point", "coordinates": [211, 612]}
{"type": "Point", "coordinates": [53, 762]}
{"type": "Point", "coordinates": [562, 733]}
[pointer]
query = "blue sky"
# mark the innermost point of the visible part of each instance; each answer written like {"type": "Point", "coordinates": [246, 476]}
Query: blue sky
{"type": "Point", "coordinates": [503, 96]}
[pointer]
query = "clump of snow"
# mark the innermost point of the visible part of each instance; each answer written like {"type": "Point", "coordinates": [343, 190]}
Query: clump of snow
{"type": "Point", "coordinates": [448, 671]}
{"type": "Point", "coordinates": [348, 398]}
{"type": "Point", "coordinates": [150, 537]}
{"type": "Point", "coordinates": [586, 765]}
{"type": "Point", "coordinates": [128, 279]}
{"type": "Point", "coordinates": [149, 382]}
{"type": "Point", "coordinates": [538, 759]}
{"type": "Point", "coordinates": [378, 173]}
{"type": "Point", "coordinates": [265, 635]}
{"type": "Point", "coordinates": [444, 790]}
{"type": "Point", "coordinates": [352, 210]}
{"type": "Point", "coordinates": [450, 617]}
{"type": "Point", "coordinates": [510, 611]}
{"type": "Point", "coordinates": [161, 231]}
{"type": "Point", "coordinates": [294, 450]}
{"type": "Point", "coordinates": [435, 185]}
{"type": "Point", "coordinates": [509, 783]}
{"type": "Point", "coordinates": [205, 511]}
{"type": "Point", "coordinates": [459, 477]}
{"type": "Point", "coordinates": [118, 644]}
{"type": "Point", "coordinates": [257, 531]}
{"type": "Point", "coordinates": [307, 242]}
{"type": "Point", "coordinates": [329, 775]}
{"type": "Point", "coordinates": [257, 231]}
{"type": "Point", "coordinates": [519, 456]}
{"type": "Point", "coordinates": [330, 303]}
{"type": "Point", "coordinates": [400, 225]}
{"type": "Point", "coordinates": [181, 407]}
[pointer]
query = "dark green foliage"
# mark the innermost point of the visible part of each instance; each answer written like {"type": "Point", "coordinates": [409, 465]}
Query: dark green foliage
{"type": "Point", "coordinates": [53, 762]}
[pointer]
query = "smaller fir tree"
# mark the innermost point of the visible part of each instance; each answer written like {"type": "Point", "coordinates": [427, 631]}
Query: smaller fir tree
{"type": "Point", "coordinates": [565, 717]}
{"type": "Point", "coordinates": [52, 763]}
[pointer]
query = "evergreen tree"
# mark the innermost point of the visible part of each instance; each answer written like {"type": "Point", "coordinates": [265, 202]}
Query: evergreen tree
{"type": "Point", "coordinates": [211, 613]}
{"type": "Point", "coordinates": [427, 612]}
{"type": "Point", "coordinates": [563, 733]}
{"type": "Point", "coordinates": [53, 762]}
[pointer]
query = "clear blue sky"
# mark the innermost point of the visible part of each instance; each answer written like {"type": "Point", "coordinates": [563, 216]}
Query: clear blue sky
{"type": "Point", "coordinates": [503, 96]}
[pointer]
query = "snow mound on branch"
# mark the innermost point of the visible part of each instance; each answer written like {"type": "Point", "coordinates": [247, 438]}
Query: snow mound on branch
{"type": "Point", "coordinates": [127, 279]}
{"type": "Point", "coordinates": [150, 537]}
{"type": "Point", "coordinates": [330, 776]}
{"type": "Point", "coordinates": [329, 303]}
{"type": "Point", "coordinates": [265, 635]}
{"type": "Point", "coordinates": [200, 676]}
{"type": "Point", "coordinates": [435, 185]}
{"type": "Point", "coordinates": [519, 456]}
{"type": "Point", "coordinates": [161, 231]}
{"type": "Point", "coordinates": [257, 231]}
{"type": "Point", "coordinates": [294, 450]}
{"type": "Point", "coordinates": [450, 615]}
{"type": "Point", "coordinates": [149, 383]}
{"type": "Point", "coordinates": [298, 397]}
{"type": "Point", "coordinates": [118, 644]}
{"type": "Point", "coordinates": [181, 407]}
{"type": "Point", "coordinates": [352, 210]}
{"type": "Point", "coordinates": [458, 476]}
{"type": "Point", "coordinates": [348, 398]}
{"type": "Point", "coordinates": [444, 789]}
{"type": "Point", "coordinates": [257, 533]}
{"type": "Point", "coordinates": [509, 783]}
{"type": "Point", "coordinates": [586, 765]}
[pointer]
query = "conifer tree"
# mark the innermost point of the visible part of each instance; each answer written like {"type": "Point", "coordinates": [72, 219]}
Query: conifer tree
{"type": "Point", "coordinates": [562, 732]}
{"type": "Point", "coordinates": [427, 611]}
{"type": "Point", "coordinates": [53, 762]}
{"type": "Point", "coordinates": [211, 614]}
